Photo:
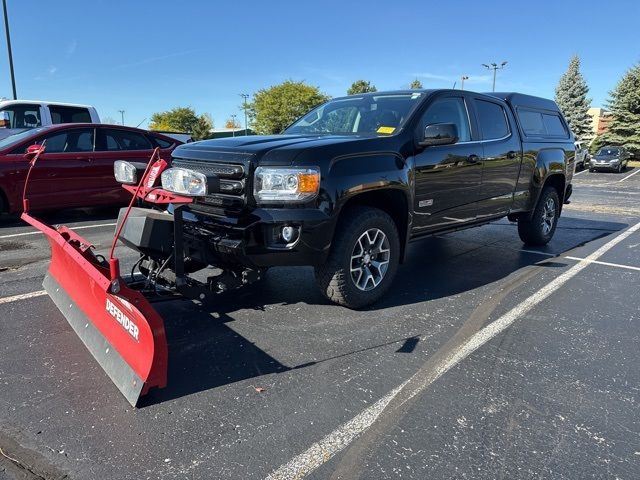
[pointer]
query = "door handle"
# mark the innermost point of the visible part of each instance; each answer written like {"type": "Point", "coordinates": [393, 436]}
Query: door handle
{"type": "Point", "coordinates": [511, 154]}
{"type": "Point", "coordinates": [473, 159]}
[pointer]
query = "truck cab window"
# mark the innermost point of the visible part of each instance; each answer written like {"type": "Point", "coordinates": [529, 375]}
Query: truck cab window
{"type": "Point", "coordinates": [69, 114]}
{"type": "Point", "coordinates": [449, 110]}
{"type": "Point", "coordinates": [492, 120]}
{"type": "Point", "coordinates": [23, 116]}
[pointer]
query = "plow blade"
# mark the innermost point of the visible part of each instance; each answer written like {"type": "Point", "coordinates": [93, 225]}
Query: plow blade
{"type": "Point", "coordinates": [117, 324]}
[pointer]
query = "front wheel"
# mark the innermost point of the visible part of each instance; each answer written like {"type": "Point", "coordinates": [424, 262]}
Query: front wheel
{"type": "Point", "coordinates": [539, 229]}
{"type": "Point", "coordinates": [363, 260]}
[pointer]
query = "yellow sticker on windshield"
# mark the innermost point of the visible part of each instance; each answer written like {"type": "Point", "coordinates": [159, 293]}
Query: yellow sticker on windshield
{"type": "Point", "coordinates": [386, 129]}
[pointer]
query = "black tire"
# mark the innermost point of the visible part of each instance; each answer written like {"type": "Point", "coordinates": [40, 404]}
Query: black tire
{"type": "Point", "coordinates": [335, 278]}
{"type": "Point", "coordinates": [619, 169]}
{"type": "Point", "coordinates": [539, 229]}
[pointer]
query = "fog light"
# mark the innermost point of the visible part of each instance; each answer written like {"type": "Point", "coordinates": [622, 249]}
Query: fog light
{"type": "Point", "coordinates": [288, 234]}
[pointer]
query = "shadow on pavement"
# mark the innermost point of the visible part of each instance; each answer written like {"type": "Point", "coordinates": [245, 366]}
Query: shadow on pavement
{"type": "Point", "coordinates": [205, 353]}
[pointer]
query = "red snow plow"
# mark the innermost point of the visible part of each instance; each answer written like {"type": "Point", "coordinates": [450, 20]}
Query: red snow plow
{"type": "Point", "coordinates": [112, 314]}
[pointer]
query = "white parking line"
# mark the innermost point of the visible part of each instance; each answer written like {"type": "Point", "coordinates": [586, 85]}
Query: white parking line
{"type": "Point", "coordinates": [22, 296]}
{"type": "Point", "coordinates": [322, 451]}
{"type": "Point", "coordinates": [617, 265]}
{"type": "Point", "coordinates": [580, 173]}
{"type": "Point", "coordinates": [83, 227]}
{"type": "Point", "coordinates": [632, 174]}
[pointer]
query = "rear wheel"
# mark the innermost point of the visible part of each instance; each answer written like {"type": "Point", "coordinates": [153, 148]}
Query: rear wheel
{"type": "Point", "coordinates": [363, 260]}
{"type": "Point", "coordinates": [539, 229]}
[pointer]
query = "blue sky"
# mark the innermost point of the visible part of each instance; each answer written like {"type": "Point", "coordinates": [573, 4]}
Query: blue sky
{"type": "Point", "coordinates": [150, 56]}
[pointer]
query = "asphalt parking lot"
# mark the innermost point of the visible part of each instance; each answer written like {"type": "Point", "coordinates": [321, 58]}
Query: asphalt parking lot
{"type": "Point", "coordinates": [486, 360]}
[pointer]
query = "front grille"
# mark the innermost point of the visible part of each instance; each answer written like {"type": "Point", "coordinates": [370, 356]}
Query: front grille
{"type": "Point", "coordinates": [232, 197]}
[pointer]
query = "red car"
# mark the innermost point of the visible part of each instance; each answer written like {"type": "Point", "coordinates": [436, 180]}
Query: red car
{"type": "Point", "coordinates": [76, 169]}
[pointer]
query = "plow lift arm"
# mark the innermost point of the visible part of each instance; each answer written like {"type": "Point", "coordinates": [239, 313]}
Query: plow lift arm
{"type": "Point", "coordinates": [116, 322]}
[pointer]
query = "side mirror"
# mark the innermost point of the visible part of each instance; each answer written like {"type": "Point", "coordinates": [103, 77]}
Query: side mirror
{"type": "Point", "coordinates": [439, 134]}
{"type": "Point", "coordinates": [5, 121]}
{"type": "Point", "coordinates": [34, 149]}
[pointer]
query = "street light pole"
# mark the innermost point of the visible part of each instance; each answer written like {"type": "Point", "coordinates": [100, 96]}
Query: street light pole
{"type": "Point", "coordinates": [6, 30]}
{"type": "Point", "coordinates": [122, 115]}
{"type": "Point", "coordinates": [463, 78]}
{"type": "Point", "coordinates": [495, 67]}
{"type": "Point", "coordinates": [233, 122]}
{"type": "Point", "coordinates": [244, 107]}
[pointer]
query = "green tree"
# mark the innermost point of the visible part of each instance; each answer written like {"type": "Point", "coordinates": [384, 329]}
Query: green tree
{"type": "Point", "coordinates": [202, 129]}
{"type": "Point", "coordinates": [361, 86]}
{"type": "Point", "coordinates": [273, 109]}
{"type": "Point", "coordinates": [571, 97]}
{"type": "Point", "coordinates": [415, 85]}
{"type": "Point", "coordinates": [179, 119]}
{"type": "Point", "coordinates": [624, 104]}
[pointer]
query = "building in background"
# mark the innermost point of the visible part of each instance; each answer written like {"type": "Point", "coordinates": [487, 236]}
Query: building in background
{"type": "Point", "coordinates": [600, 120]}
{"type": "Point", "coordinates": [229, 132]}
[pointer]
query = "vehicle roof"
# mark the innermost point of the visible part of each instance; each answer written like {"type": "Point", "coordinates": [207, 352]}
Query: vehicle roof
{"type": "Point", "coordinates": [44, 102]}
{"type": "Point", "coordinates": [62, 126]}
{"type": "Point", "coordinates": [522, 100]}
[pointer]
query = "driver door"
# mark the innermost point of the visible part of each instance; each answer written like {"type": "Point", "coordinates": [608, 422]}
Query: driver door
{"type": "Point", "coordinates": [447, 177]}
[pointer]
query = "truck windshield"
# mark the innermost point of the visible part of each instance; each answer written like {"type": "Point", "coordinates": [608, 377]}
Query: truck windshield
{"type": "Point", "coordinates": [369, 114]}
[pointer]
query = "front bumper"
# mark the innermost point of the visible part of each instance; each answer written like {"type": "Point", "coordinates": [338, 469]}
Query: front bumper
{"type": "Point", "coordinates": [255, 239]}
{"type": "Point", "coordinates": [604, 165]}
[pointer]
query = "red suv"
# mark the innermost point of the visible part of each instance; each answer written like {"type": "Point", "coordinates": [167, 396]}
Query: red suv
{"type": "Point", "coordinates": [76, 169]}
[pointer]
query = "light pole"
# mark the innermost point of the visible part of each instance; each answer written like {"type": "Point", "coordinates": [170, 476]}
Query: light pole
{"type": "Point", "coordinates": [233, 123]}
{"type": "Point", "coordinates": [463, 78]}
{"type": "Point", "coordinates": [494, 67]}
{"type": "Point", "coordinates": [244, 107]}
{"type": "Point", "coordinates": [6, 31]}
{"type": "Point", "coordinates": [122, 115]}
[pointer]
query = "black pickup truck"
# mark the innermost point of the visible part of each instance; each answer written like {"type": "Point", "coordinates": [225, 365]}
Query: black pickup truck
{"type": "Point", "coordinates": [347, 186]}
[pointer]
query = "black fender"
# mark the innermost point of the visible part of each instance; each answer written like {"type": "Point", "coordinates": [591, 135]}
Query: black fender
{"type": "Point", "coordinates": [550, 166]}
{"type": "Point", "coordinates": [377, 179]}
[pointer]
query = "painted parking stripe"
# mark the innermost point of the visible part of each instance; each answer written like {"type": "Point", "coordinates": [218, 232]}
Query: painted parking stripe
{"type": "Point", "coordinates": [322, 451]}
{"type": "Point", "coordinates": [607, 264]}
{"type": "Point", "coordinates": [631, 175]}
{"type": "Point", "coordinates": [22, 296]}
{"type": "Point", "coordinates": [37, 232]}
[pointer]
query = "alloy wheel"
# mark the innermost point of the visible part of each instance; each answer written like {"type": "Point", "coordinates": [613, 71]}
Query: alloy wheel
{"type": "Point", "coordinates": [548, 215]}
{"type": "Point", "coordinates": [370, 259]}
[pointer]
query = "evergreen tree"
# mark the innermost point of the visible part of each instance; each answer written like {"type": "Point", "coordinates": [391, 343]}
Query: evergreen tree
{"type": "Point", "coordinates": [415, 85]}
{"type": "Point", "coordinates": [571, 97]}
{"type": "Point", "coordinates": [624, 104]}
{"type": "Point", "coordinates": [361, 86]}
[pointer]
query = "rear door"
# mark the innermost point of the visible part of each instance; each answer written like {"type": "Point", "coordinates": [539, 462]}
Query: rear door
{"type": "Point", "coordinates": [501, 158]}
{"type": "Point", "coordinates": [118, 144]}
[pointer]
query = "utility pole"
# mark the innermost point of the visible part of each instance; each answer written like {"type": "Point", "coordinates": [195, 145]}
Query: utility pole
{"type": "Point", "coordinates": [463, 78]}
{"type": "Point", "coordinates": [494, 67]}
{"type": "Point", "coordinates": [6, 31]}
{"type": "Point", "coordinates": [122, 115]}
{"type": "Point", "coordinates": [244, 107]}
{"type": "Point", "coordinates": [233, 122]}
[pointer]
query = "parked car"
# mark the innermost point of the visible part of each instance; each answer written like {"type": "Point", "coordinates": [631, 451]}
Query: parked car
{"type": "Point", "coordinates": [347, 186]}
{"type": "Point", "coordinates": [76, 169]}
{"type": "Point", "coordinates": [582, 156]}
{"type": "Point", "coordinates": [610, 158]}
{"type": "Point", "coordinates": [19, 115]}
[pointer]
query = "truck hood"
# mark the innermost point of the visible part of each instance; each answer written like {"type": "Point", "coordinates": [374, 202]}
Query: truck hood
{"type": "Point", "coordinates": [277, 150]}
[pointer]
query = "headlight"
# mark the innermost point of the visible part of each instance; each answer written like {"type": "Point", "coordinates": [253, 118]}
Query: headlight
{"type": "Point", "coordinates": [184, 182]}
{"type": "Point", "coordinates": [125, 172]}
{"type": "Point", "coordinates": [273, 184]}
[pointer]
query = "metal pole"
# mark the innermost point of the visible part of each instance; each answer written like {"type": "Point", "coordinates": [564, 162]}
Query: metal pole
{"type": "Point", "coordinates": [122, 115]}
{"type": "Point", "coordinates": [233, 123]}
{"type": "Point", "coordinates": [495, 67]}
{"type": "Point", "coordinates": [463, 78]}
{"type": "Point", "coordinates": [6, 30]}
{"type": "Point", "coordinates": [244, 107]}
